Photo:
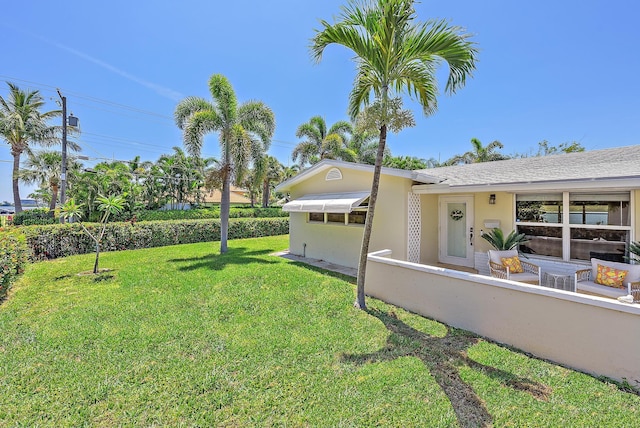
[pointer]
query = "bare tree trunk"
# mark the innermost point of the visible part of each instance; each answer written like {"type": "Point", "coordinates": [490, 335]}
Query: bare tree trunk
{"type": "Point", "coordinates": [368, 224]}
{"type": "Point", "coordinates": [95, 265]}
{"type": "Point", "coordinates": [225, 202]}
{"type": "Point", "coordinates": [16, 190]}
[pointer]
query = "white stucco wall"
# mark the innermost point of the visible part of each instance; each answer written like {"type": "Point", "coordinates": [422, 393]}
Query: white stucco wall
{"type": "Point", "coordinates": [588, 333]}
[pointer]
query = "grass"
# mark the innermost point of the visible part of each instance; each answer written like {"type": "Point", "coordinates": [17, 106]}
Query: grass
{"type": "Point", "coordinates": [184, 336]}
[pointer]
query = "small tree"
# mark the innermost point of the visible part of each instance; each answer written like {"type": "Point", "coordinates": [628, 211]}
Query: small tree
{"type": "Point", "coordinates": [108, 205]}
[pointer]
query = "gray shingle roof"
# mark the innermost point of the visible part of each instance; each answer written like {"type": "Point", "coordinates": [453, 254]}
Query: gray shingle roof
{"type": "Point", "coordinates": [621, 162]}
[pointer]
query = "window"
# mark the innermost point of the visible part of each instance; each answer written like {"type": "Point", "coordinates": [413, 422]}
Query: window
{"type": "Point", "coordinates": [598, 224]}
{"type": "Point", "coordinates": [539, 208]}
{"type": "Point", "coordinates": [357, 216]}
{"type": "Point", "coordinates": [610, 209]}
{"type": "Point", "coordinates": [316, 217]}
{"type": "Point", "coordinates": [335, 218]}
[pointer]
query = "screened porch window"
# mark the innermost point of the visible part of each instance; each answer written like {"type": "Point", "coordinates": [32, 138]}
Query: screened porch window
{"type": "Point", "coordinates": [598, 225]}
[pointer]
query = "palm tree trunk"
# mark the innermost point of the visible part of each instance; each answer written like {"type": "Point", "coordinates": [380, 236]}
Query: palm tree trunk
{"type": "Point", "coordinates": [54, 198]}
{"type": "Point", "coordinates": [16, 190]}
{"type": "Point", "coordinates": [368, 224]}
{"type": "Point", "coordinates": [225, 202]}
{"type": "Point", "coordinates": [265, 194]}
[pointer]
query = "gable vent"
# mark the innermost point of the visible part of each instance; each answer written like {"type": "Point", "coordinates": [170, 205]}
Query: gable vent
{"type": "Point", "coordinates": [333, 174]}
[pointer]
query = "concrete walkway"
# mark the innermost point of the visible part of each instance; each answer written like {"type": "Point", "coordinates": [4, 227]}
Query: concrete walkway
{"type": "Point", "coordinates": [318, 263]}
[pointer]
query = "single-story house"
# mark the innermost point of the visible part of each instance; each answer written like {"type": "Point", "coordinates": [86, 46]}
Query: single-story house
{"type": "Point", "coordinates": [437, 215]}
{"type": "Point", "coordinates": [573, 208]}
{"type": "Point", "coordinates": [237, 196]}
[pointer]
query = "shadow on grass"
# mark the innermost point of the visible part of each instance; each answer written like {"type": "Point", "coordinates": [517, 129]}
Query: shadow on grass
{"type": "Point", "coordinates": [346, 278]}
{"type": "Point", "coordinates": [103, 277]}
{"type": "Point", "coordinates": [443, 356]}
{"type": "Point", "coordinates": [234, 256]}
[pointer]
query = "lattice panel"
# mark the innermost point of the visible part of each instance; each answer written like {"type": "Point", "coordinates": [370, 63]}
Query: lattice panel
{"type": "Point", "coordinates": [413, 234]}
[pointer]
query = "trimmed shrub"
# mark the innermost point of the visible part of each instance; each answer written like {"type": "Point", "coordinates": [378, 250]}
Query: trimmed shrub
{"type": "Point", "coordinates": [35, 216]}
{"type": "Point", "coordinates": [13, 258]}
{"type": "Point", "coordinates": [61, 240]}
{"type": "Point", "coordinates": [257, 212]}
{"type": "Point", "coordinates": [194, 214]}
{"type": "Point", "coordinates": [41, 216]}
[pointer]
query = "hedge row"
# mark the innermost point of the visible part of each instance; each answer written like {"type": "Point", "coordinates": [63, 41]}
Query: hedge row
{"type": "Point", "coordinates": [202, 213]}
{"type": "Point", "coordinates": [13, 258]}
{"type": "Point", "coordinates": [42, 216]}
{"type": "Point", "coordinates": [61, 240]}
{"type": "Point", "coordinates": [34, 216]}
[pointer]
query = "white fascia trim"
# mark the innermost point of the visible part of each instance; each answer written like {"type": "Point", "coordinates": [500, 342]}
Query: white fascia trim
{"type": "Point", "coordinates": [564, 185]}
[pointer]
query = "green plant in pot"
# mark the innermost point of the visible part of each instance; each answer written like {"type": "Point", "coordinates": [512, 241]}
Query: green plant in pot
{"type": "Point", "coordinates": [501, 243]}
{"type": "Point", "coordinates": [634, 251]}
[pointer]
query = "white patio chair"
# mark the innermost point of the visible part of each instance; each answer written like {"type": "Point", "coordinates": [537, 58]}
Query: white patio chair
{"type": "Point", "coordinates": [531, 274]}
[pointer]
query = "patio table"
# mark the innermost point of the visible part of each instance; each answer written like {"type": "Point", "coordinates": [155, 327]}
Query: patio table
{"type": "Point", "coordinates": [558, 280]}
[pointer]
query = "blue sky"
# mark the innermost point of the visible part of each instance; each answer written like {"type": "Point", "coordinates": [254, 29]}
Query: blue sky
{"type": "Point", "coordinates": [559, 71]}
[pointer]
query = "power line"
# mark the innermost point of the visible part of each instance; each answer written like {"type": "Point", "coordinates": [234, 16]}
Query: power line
{"type": "Point", "coordinates": [89, 106]}
{"type": "Point", "coordinates": [89, 97]}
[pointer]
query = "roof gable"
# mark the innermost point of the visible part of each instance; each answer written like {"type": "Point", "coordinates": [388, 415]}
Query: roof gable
{"type": "Point", "coordinates": [326, 164]}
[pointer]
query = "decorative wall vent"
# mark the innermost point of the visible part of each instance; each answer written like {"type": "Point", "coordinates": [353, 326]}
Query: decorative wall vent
{"type": "Point", "coordinates": [333, 174]}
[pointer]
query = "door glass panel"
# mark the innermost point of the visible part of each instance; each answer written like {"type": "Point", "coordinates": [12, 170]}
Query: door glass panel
{"type": "Point", "coordinates": [457, 229]}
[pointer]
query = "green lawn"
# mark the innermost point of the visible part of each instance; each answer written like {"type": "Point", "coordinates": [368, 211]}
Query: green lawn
{"type": "Point", "coordinates": [183, 336]}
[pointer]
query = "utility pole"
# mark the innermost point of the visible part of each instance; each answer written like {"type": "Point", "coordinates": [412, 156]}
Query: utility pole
{"type": "Point", "coordinates": [72, 121]}
{"type": "Point", "coordinates": [63, 172]}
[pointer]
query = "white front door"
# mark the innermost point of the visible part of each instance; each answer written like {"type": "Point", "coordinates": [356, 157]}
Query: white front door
{"type": "Point", "coordinates": [456, 230]}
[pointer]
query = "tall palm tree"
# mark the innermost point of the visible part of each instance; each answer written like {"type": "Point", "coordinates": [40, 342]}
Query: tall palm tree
{"type": "Point", "coordinates": [410, 163]}
{"type": "Point", "coordinates": [394, 54]}
{"type": "Point", "coordinates": [290, 171]}
{"type": "Point", "coordinates": [43, 168]}
{"type": "Point", "coordinates": [272, 171]}
{"type": "Point", "coordinates": [320, 143]}
{"type": "Point", "coordinates": [364, 144]}
{"type": "Point", "coordinates": [244, 130]}
{"type": "Point", "coordinates": [23, 124]}
{"type": "Point", "coordinates": [479, 153]}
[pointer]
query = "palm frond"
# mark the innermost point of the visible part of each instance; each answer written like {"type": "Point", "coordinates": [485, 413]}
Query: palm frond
{"type": "Point", "coordinates": [188, 107]}
{"type": "Point", "coordinates": [225, 97]}
{"type": "Point", "coordinates": [501, 243]}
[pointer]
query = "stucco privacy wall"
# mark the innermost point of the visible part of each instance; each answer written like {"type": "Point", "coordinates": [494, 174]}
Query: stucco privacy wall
{"type": "Point", "coordinates": [591, 334]}
{"type": "Point", "coordinates": [340, 244]}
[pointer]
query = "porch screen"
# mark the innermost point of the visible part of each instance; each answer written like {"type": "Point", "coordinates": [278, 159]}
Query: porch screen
{"type": "Point", "coordinates": [598, 225]}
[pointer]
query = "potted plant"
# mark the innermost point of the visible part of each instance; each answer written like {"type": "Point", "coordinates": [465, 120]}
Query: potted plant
{"type": "Point", "coordinates": [501, 243]}
{"type": "Point", "coordinates": [634, 251]}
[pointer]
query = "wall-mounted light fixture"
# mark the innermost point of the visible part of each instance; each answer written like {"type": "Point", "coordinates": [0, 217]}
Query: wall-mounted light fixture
{"type": "Point", "coordinates": [492, 199]}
